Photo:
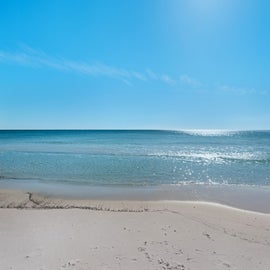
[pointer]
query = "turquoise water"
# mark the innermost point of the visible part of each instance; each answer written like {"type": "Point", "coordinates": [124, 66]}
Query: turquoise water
{"type": "Point", "coordinates": [135, 158]}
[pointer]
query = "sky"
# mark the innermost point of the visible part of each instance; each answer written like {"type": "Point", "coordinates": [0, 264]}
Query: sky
{"type": "Point", "coordinates": [144, 64]}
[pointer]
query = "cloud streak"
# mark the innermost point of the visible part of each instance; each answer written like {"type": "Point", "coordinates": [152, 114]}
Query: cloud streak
{"type": "Point", "coordinates": [237, 90]}
{"type": "Point", "coordinates": [39, 59]}
{"type": "Point", "coordinates": [193, 83]}
{"type": "Point", "coordinates": [167, 79]}
{"type": "Point", "coordinates": [187, 80]}
{"type": "Point", "coordinates": [29, 57]}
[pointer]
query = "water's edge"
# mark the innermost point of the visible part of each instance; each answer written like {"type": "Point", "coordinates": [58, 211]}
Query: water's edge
{"type": "Point", "coordinates": [243, 197]}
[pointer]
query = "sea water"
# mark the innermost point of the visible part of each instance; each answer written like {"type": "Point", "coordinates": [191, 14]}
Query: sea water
{"type": "Point", "coordinates": [140, 158]}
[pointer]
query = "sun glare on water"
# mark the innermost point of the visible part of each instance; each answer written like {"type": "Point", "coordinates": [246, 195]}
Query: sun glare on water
{"type": "Point", "coordinates": [209, 132]}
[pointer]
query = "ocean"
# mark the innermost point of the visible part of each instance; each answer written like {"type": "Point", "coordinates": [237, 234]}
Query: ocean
{"type": "Point", "coordinates": [89, 159]}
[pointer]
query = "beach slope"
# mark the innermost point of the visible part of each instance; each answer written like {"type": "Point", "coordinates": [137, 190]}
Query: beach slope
{"type": "Point", "coordinates": [130, 235]}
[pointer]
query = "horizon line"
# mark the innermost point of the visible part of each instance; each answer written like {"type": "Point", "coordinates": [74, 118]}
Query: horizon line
{"type": "Point", "coordinates": [130, 129]}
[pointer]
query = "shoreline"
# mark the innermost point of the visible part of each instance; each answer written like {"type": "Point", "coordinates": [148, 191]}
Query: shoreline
{"type": "Point", "coordinates": [19, 199]}
{"type": "Point", "coordinates": [254, 199]}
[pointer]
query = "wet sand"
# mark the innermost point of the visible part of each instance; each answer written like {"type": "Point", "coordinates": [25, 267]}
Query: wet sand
{"type": "Point", "coordinates": [254, 198]}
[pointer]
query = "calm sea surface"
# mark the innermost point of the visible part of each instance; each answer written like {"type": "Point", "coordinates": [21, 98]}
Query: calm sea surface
{"type": "Point", "coordinates": [136, 158]}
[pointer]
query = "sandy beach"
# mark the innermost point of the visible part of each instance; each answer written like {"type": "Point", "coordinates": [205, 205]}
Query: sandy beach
{"type": "Point", "coordinates": [43, 233]}
{"type": "Point", "coordinates": [134, 135]}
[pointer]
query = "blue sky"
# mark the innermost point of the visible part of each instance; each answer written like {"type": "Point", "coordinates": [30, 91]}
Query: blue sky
{"type": "Point", "coordinates": [144, 64]}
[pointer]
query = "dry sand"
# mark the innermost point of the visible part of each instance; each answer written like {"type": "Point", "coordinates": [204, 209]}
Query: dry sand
{"type": "Point", "coordinates": [129, 235]}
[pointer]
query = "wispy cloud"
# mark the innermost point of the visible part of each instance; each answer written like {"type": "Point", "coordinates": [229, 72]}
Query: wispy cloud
{"type": "Point", "coordinates": [30, 57]}
{"type": "Point", "coordinates": [194, 84]}
{"type": "Point", "coordinates": [151, 74]}
{"type": "Point", "coordinates": [139, 76]}
{"type": "Point", "coordinates": [167, 79]}
{"type": "Point", "coordinates": [163, 77]}
{"type": "Point", "coordinates": [236, 90]}
{"type": "Point", "coordinates": [39, 59]}
{"type": "Point", "coordinates": [185, 79]}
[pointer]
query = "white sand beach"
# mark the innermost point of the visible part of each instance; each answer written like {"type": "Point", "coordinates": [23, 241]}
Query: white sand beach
{"type": "Point", "coordinates": [34, 234]}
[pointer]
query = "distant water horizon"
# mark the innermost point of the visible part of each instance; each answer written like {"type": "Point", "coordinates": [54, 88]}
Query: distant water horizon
{"type": "Point", "coordinates": [202, 130]}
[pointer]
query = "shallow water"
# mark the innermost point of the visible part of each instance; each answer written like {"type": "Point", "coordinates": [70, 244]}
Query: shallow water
{"type": "Point", "coordinates": [95, 157]}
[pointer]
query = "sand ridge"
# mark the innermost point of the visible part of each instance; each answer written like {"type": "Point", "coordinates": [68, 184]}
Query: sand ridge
{"type": "Point", "coordinates": [26, 200]}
